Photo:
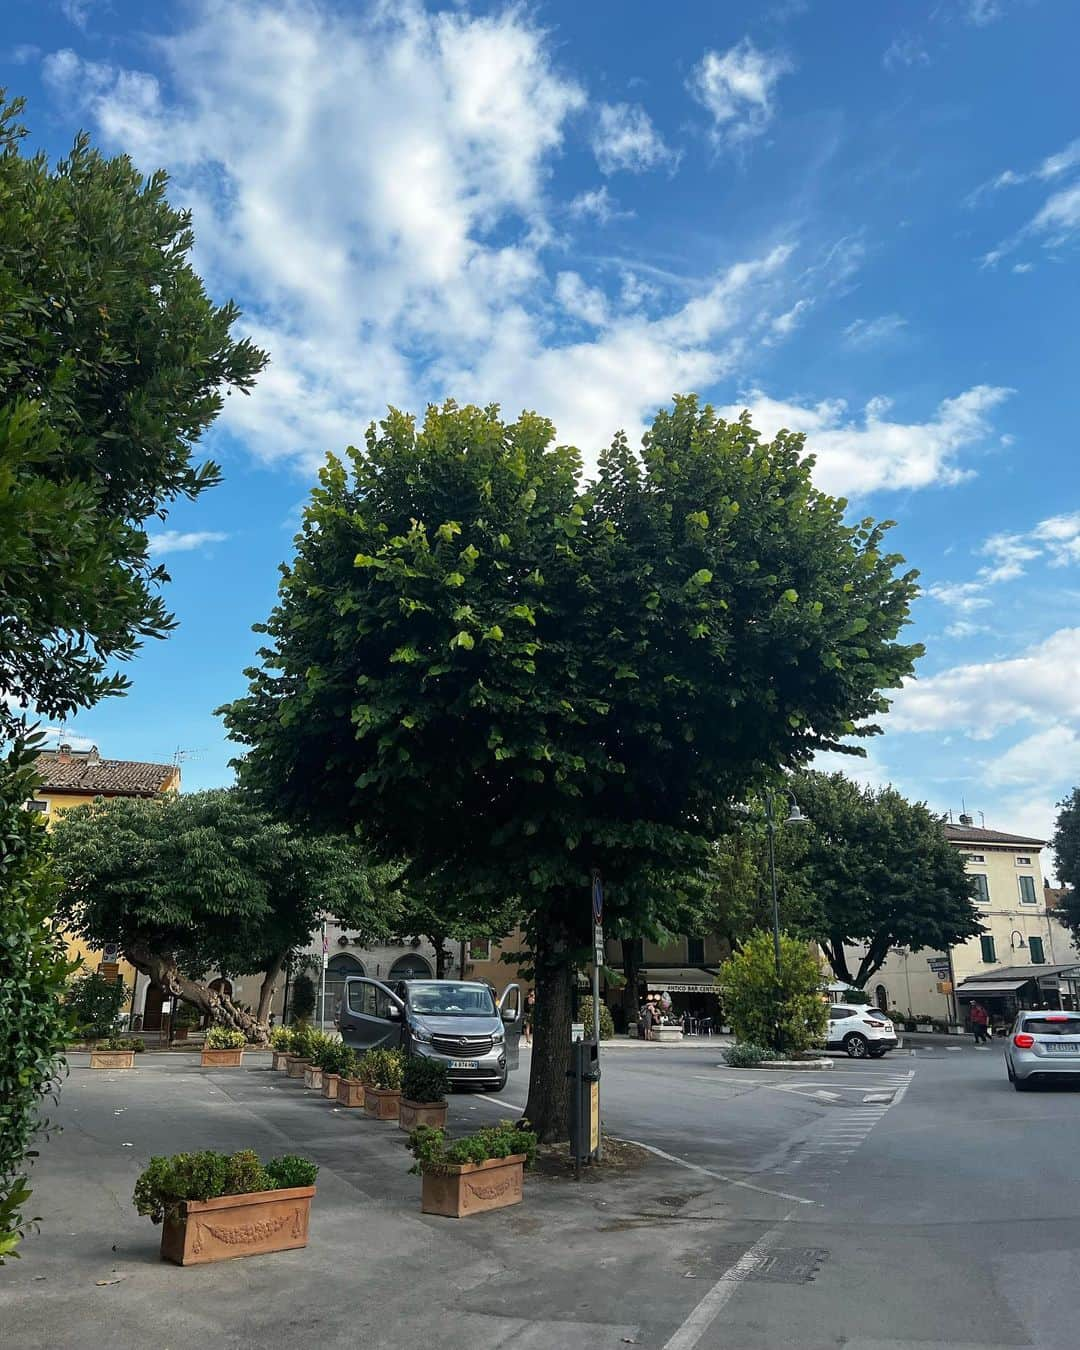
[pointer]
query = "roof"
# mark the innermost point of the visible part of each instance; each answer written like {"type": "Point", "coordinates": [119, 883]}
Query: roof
{"type": "Point", "coordinates": [1018, 975]}
{"type": "Point", "coordinates": [984, 987]}
{"type": "Point", "coordinates": [973, 834]}
{"type": "Point", "coordinates": [86, 774]}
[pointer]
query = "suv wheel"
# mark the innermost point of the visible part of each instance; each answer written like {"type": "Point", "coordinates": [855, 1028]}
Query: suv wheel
{"type": "Point", "coordinates": [856, 1045]}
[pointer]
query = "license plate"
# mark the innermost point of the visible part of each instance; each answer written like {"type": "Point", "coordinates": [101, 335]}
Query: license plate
{"type": "Point", "coordinates": [1062, 1047]}
{"type": "Point", "coordinates": [464, 1063]}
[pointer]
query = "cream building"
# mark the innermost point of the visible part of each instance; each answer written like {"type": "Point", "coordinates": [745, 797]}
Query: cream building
{"type": "Point", "coordinates": [1023, 957]}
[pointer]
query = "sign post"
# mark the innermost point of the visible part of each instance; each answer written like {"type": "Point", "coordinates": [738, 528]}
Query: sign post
{"type": "Point", "coordinates": [598, 961]}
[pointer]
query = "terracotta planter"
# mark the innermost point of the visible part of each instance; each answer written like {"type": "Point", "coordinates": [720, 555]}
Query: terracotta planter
{"type": "Point", "coordinates": [350, 1092]}
{"type": "Point", "coordinates": [472, 1188]}
{"type": "Point", "coordinates": [296, 1066]}
{"type": "Point", "coordinates": [330, 1085]}
{"type": "Point", "coordinates": [112, 1059]}
{"type": "Point", "coordinates": [279, 1060]}
{"type": "Point", "coordinates": [411, 1114]}
{"type": "Point", "coordinates": [313, 1077]}
{"type": "Point", "coordinates": [237, 1225]}
{"type": "Point", "coordinates": [180, 1033]}
{"type": "Point", "coordinates": [382, 1103]}
{"type": "Point", "coordinates": [222, 1059]}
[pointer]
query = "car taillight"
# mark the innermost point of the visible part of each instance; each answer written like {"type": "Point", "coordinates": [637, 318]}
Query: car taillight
{"type": "Point", "coordinates": [1056, 1019]}
{"type": "Point", "coordinates": [1023, 1041]}
{"type": "Point", "coordinates": [870, 1023]}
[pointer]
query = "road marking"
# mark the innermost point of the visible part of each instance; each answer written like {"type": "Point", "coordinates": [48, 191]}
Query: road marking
{"type": "Point", "coordinates": [706, 1312]}
{"type": "Point", "coordinates": [824, 1096]}
{"type": "Point", "coordinates": [719, 1176]}
{"type": "Point", "coordinates": [878, 1097]}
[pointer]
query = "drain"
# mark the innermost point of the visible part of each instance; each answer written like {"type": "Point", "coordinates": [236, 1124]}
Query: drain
{"type": "Point", "coordinates": [796, 1265]}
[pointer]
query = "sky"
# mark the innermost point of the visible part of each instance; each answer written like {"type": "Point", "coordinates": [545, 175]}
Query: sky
{"type": "Point", "coordinates": [859, 221]}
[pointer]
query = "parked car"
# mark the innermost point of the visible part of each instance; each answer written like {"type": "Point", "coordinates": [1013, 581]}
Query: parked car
{"type": "Point", "coordinates": [1042, 1046]}
{"type": "Point", "coordinates": [860, 1032]}
{"type": "Point", "coordinates": [458, 1022]}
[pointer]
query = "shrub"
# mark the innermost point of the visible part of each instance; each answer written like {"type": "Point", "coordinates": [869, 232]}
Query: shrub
{"type": "Point", "coordinates": [167, 1182]}
{"type": "Point", "coordinates": [135, 1043]}
{"type": "Point", "coordinates": [747, 1055]}
{"type": "Point", "coordinates": [324, 1051]}
{"type": "Point", "coordinates": [303, 998]}
{"type": "Point", "coordinates": [855, 997]}
{"type": "Point", "coordinates": [94, 1002]}
{"type": "Point", "coordinates": [187, 1015]}
{"type": "Point", "coordinates": [382, 1069]}
{"type": "Point", "coordinates": [434, 1154]}
{"type": "Point", "coordinates": [225, 1038]}
{"type": "Point", "coordinates": [302, 1041]}
{"type": "Point", "coordinates": [348, 1063]}
{"type": "Point", "coordinates": [424, 1080]}
{"type": "Point", "coordinates": [791, 1016]}
{"type": "Point", "coordinates": [281, 1039]}
{"type": "Point", "coordinates": [585, 1014]}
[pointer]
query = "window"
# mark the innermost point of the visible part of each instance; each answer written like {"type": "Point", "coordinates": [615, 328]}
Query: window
{"type": "Point", "coordinates": [982, 888]}
{"type": "Point", "coordinates": [480, 949]}
{"type": "Point", "coordinates": [1054, 1024]}
{"type": "Point", "coordinates": [975, 857]}
{"type": "Point", "coordinates": [1035, 947]}
{"type": "Point", "coordinates": [1023, 862]}
{"type": "Point", "coordinates": [695, 951]}
{"type": "Point", "coordinates": [989, 955]}
{"type": "Point", "coordinates": [362, 999]}
{"type": "Point", "coordinates": [1027, 890]}
{"type": "Point", "coordinates": [40, 807]}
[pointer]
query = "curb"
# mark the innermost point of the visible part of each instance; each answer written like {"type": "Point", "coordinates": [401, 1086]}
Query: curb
{"type": "Point", "coordinates": [813, 1065]}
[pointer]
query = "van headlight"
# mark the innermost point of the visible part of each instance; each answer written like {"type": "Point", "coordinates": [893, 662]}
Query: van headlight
{"type": "Point", "coordinates": [497, 1037]}
{"type": "Point", "coordinates": [420, 1034]}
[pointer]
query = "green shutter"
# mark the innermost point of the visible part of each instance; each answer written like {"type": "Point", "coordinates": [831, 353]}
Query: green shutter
{"type": "Point", "coordinates": [988, 953]}
{"type": "Point", "coordinates": [1035, 947]}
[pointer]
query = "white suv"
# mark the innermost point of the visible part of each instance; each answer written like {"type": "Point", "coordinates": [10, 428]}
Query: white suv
{"type": "Point", "coordinates": [860, 1031]}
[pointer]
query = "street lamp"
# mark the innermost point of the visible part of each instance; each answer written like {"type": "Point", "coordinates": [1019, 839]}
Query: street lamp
{"type": "Point", "coordinates": [1016, 933]}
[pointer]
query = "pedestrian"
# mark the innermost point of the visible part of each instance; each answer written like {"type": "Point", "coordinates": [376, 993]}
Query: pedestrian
{"type": "Point", "coordinates": [980, 1019]}
{"type": "Point", "coordinates": [527, 1020]}
{"type": "Point", "coordinates": [647, 1018]}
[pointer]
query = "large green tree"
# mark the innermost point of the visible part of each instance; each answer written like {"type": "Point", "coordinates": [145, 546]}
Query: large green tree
{"type": "Point", "coordinates": [209, 882]}
{"type": "Point", "coordinates": [1066, 846]}
{"type": "Point", "coordinates": [113, 361]}
{"type": "Point", "coordinates": [492, 670]}
{"type": "Point", "coordinates": [870, 871]}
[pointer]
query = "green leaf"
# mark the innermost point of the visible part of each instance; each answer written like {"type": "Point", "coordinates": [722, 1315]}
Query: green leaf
{"type": "Point", "coordinates": [463, 640]}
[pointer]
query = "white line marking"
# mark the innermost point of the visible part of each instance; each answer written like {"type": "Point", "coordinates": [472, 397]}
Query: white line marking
{"type": "Point", "coordinates": [705, 1313]}
{"type": "Point", "coordinates": [708, 1172]}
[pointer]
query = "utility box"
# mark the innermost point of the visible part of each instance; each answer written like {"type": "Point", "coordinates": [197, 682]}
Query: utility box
{"type": "Point", "coordinates": [583, 1080]}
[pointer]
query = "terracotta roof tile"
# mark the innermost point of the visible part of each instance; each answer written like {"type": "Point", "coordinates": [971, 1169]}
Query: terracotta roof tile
{"type": "Point", "coordinates": [82, 773]}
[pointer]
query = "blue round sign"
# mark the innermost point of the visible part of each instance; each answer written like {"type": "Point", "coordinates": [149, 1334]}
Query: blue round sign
{"type": "Point", "coordinates": [597, 899]}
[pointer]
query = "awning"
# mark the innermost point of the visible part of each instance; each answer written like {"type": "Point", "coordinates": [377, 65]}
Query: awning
{"type": "Point", "coordinates": [982, 987]}
{"type": "Point", "coordinates": [688, 980]}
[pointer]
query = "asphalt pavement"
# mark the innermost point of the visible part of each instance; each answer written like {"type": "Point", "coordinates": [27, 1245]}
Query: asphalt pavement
{"type": "Point", "coordinates": [915, 1201]}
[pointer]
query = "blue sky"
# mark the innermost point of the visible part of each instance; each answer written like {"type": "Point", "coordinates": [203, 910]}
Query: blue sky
{"type": "Point", "coordinates": [858, 220]}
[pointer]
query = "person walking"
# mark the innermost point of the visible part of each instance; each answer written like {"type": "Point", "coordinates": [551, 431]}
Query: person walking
{"type": "Point", "coordinates": [647, 1018]}
{"type": "Point", "coordinates": [980, 1020]}
{"type": "Point", "coordinates": [527, 1020]}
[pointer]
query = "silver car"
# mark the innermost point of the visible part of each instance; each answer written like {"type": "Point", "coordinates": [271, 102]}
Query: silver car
{"type": "Point", "coordinates": [1043, 1046]}
{"type": "Point", "coordinates": [458, 1022]}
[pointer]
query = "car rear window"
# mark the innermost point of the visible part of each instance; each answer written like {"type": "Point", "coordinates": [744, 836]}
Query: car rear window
{"type": "Point", "coordinates": [1043, 1026]}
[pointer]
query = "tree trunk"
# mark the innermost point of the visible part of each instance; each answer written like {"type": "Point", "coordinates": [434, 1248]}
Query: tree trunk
{"type": "Point", "coordinates": [268, 986]}
{"type": "Point", "coordinates": [161, 970]}
{"type": "Point", "coordinates": [442, 955]}
{"type": "Point", "coordinates": [630, 988]}
{"type": "Point", "coordinates": [547, 1109]}
{"type": "Point", "coordinates": [876, 956]}
{"type": "Point", "coordinates": [837, 958]}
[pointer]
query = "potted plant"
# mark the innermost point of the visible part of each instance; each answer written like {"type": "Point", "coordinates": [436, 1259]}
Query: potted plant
{"type": "Point", "coordinates": [217, 1206]}
{"type": "Point", "coordinates": [381, 1072]}
{"type": "Point", "coordinates": [223, 1048]}
{"type": "Point", "coordinates": [300, 1054]}
{"type": "Point", "coordinates": [187, 1017]}
{"type": "Point", "coordinates": [281, 1040]}
{"type": "Point", "coordinates": [116, 1052]}
{"type": "Point", "coordinates": [424, 1085]}
{"type": "Point", "coordinates": [482, 1171]}
{"type": "Point", "coordinates": [336, 1057]}
{"type": "Point", "coordinates": [351, 1090]}
{"type": "Point", "coordinates": [321, 1051]}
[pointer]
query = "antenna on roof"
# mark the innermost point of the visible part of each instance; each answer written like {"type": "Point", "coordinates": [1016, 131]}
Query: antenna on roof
{"type": "Point", "coordinates": [982, 819]}
{"type": "Point", "coordinates": [181, 755]}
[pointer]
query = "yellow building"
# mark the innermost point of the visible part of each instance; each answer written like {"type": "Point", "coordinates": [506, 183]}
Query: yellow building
{"type": "Point", "coordinates": [76, 777]}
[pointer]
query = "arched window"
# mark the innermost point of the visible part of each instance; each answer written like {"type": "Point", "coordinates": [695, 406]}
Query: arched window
{"type": "Point", "coordinates": [411, 967]}
{"type": "Point", "coordinates": [337, 969]}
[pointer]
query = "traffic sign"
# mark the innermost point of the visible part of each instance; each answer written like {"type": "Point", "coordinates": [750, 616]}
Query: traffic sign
{"type": "Point", "coordinates": [598, 943]}
{"type": "Point", "coordinates": [597, 899]}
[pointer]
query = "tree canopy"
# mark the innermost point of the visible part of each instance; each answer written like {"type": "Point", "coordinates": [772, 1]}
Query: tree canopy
{"type": "Point", "coordinates": [493, 670]}
{"type": "Point", "coordinates": [871, 870]}
{"type": "Point", "coordinates": [1066, 846]}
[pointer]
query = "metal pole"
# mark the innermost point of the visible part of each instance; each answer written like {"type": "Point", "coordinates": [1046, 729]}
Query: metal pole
{"type": "Point", "coordinates": [770, 826]}
{"type": "Point", "coordinates": [593, 921]}
{"type": "Point", "coordinates": [322, 980]}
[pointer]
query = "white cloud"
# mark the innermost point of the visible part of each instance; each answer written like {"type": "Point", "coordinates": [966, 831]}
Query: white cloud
{"type": "Point", "coordinates": [905, 51]}
{"type": "Point", "coordinates": [1056, 222]}
{"type": "Point", "coordinates": [873, 332]}
{"type": "Point", "coordinates": [1037, 758]}
{"type": "Point", "coordinates": [54, 736]}
{"type": "Point", "coordinates": [983, 12]}
{"type": "Point", "coordinates": [1055, 540]}
{"type": "Point", "coordinates": [786, 323]}
{"type": "Point", "coordinates": [737, 88]}
{"type": "Point", "coordinates": [581, 301]}
{"type": "Point", "coordinates": [1059, 217]}
{"type": "Point", "coordinates": [179, 541]}
{"type": "Point", "coordinates": [76, 11]}
{"type": "Point", "coordinates": [1061, 162]}
{"type": "Point", "coordinates": [625, 139]}
{"type": "Point", "coordinates": [964, 596]}
{"type": "Point", "coordinates": [983, 698]}
{"type": "Point", "coordinates": [1060, 536]}
{"type": "Point", "coordinates": [857, 455]}
{"type": "Point", "coordinates": [597, 203]}
{"type": "Point", "coordinates": [964, 628]}
{"type": "Point", "coordinates": [866, 769]}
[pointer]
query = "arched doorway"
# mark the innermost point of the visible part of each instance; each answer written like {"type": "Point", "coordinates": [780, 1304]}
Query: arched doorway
{"type": "Point", "coordinates": [881, 998]}
{"type": "Point", "coordinates": [410, 967]}
{"type": "Point", "coordinates": [222, 986]}
{"type": "Point", "coordinates": [338, 969]}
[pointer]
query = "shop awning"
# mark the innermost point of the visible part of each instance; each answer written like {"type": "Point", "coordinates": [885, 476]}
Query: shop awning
{"type": "Point", "coordinates": [687, 980]}
{"type": "Point", "coordinates": [986, 987]}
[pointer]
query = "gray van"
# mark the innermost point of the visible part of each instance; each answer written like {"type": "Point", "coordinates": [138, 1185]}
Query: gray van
{"type": "Point", "coordinates": [459, 1022]}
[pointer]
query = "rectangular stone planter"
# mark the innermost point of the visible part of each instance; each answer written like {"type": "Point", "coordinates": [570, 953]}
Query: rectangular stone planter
{"type": "Point", "coordinates": [112, 1059]}
{"type": "Point", "coordinates": [279, 1060]}
{"type": "Point", "coordinates": [297, 1065]}
{"type": "Point", "coordinates": [237, 1225]}
{"type": "Point", "coordinates": [222, 1059]}
{"type": "Point", "coordinates": [382, 1103]}
{"type": "Point", "coordinates": [666, 1035]}
{"type": "Point", "coordinates": [350, 1092]}
{"type": "Point", "coordinates": [313, 1077]}
{"type": "Point", "coordinates": [330, 1085]}
{"type": "Point", "coordinates": [473, 1188]}
{"type": "Point", "coordinates": [412, 1114]}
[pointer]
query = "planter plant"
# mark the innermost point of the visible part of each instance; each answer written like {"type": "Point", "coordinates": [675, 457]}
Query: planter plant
{"type": "Point", "coordinates": [335, 1058]}
{"type": "Point", "coordinates": [381, 1073]}
{"type": "Point", "coordinates": [116, 1052]}
{"type": "Point", "coordinates": [322, 1052]}
{"type": "Point", "coordinates": [185, 1021]}
{"type": "Point", "coordinates": [281, 1042]}
{"type": "Point", "coordinates": [351, 1090]}
{"type": "Point", "coordinates": [479, 1172]}
{"type": "Point", "coordinates": [223, 1048]}
{"type": "Point", "coordinates": [300, 1052]}
{"type": "Point", "coordinates": [424, 1085]}
{"type": "Point", "coordinates": [218, 1206]}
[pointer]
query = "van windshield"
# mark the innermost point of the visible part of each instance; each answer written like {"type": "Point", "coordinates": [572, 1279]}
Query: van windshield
{"type": "Point", "coordinates": [445, 997]}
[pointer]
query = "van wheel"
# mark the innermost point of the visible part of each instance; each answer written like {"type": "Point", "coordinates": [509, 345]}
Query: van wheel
{"type": "Point", "coordinates": [856, 1045]}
